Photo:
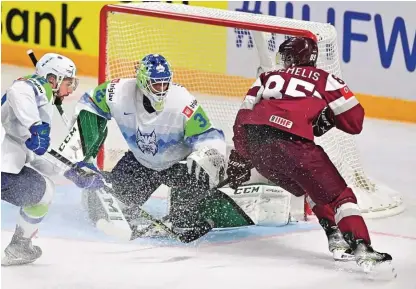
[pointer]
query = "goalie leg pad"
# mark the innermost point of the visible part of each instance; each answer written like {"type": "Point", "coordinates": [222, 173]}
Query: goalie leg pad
{"type": "Point", "coordinates": [266, 205]}
{"type": "Point", "coordinates": [223, 211]}
{"type": "Point", "coordinates": [104, 210]}
{"type": "Point", "coordinates": [213, 205]}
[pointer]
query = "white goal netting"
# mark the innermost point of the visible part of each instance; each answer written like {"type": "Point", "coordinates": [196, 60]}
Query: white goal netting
{"type": "Point", "coordinates": [193, 39]}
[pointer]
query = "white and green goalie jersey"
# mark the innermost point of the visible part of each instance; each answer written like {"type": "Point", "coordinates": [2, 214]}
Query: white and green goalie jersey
{"type": "Point", "coordinates": [158, 140]}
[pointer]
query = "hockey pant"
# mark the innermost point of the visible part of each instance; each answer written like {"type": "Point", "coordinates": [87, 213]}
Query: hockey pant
{"type": "Point", "coordinates": [30, 191]}
{"type": "Point", "coordinates": [302, 167]}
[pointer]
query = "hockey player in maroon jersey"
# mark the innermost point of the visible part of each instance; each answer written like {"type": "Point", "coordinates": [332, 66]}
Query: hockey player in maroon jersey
{"type": "Point", "coordinates": [274, 133]}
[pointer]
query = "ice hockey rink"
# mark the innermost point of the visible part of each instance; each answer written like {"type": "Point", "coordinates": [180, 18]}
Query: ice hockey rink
{"type": "Point", "coordinates": [76, 255]}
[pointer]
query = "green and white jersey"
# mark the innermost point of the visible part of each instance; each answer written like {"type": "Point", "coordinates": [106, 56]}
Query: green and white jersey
{"type": "Point", "coordinates": [158, 140]}
{"type": "Point", "coordinates": [26, 102]}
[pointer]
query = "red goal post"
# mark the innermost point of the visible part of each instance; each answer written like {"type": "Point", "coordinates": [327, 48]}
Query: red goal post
{"type": "Point", "coordinates": [194, 40]}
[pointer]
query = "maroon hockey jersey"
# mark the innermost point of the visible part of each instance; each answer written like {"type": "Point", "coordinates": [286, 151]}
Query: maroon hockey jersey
{"type": "Point", "coordinates": [291, 99]}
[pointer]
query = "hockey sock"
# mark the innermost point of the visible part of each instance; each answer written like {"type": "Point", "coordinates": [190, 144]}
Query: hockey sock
{"type": "Point", "coordinates": [325, 215]}
{"type": "Point", "coordinates": [30, 217]}
{"type": "Point", "coordinates": [348, 216]}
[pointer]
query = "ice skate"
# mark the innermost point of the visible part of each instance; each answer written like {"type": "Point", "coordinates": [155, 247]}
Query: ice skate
{"type": "Point", "coordinates": [339, 248]}
{"type": "Point", "coordinates": [337, 245]}
{"type": "Point", "coordinates": [368, 259]}
{"type": "Point", "coordinates": [20, 250]}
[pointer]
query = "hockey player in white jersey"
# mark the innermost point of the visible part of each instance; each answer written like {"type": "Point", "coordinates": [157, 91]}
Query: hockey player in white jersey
{"type": "Point", "coordinates": [163, 124]}
{"type": "Point", "coordinates": [26, 114]}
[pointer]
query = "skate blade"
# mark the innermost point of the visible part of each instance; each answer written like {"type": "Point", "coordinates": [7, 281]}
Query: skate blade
{"type": "Point", "coordinates": [341, 256]}
{"type": "Point", "coordinates": [6, 261]}
{"type": "Point", "coordinates": [382, 271]}
{"type": "Point", "coordinates": [110, 229]}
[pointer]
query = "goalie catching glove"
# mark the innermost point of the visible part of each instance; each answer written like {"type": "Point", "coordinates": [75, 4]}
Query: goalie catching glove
{"type": "Point", "coordinates": [238, 170]}
{"type": "Point", "coordinates": [84, 180]}
{"type": "Point", "coordinates": [207, 165]}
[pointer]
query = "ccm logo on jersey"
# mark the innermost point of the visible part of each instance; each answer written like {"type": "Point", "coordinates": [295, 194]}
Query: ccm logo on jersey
{"type": "Point", "coordinates": [281, 121]}
{"type": "Point", "coordinates": [117, 80]}
{"type": "Point", "coordinates": [187, 111]}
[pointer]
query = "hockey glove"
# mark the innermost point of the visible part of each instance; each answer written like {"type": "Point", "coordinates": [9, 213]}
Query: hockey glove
{"type": "Point", "coordinates": [238, 170]}
{"type": "Point", "coordinates": [83, 179]}
{"type": "Point", "coordinates": [39, 140]}
{"type": "Point", "coordinates": [324, 122]}
{"type": "Point", "coordinates": [207, 166]}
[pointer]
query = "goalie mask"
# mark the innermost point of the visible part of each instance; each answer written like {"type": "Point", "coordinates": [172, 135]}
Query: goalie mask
{"type": "Point", "coordinates": [297, 51]}
{"type": "Point", "coordinates": [154, 78]}
{"type": "Point", "coordinates": [62, 70]}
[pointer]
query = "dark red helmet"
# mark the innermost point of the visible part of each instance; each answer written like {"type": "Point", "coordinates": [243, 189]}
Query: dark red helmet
{"type": "Point", "coordinates": [298, 51]}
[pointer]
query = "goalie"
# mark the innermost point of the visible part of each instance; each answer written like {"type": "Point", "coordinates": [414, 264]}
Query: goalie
{"type": "Point", "coordinates": [171, 141]}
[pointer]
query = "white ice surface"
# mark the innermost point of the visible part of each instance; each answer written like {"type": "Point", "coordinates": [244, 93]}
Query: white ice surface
{"type": "Point", "coordinates": [78, 256]}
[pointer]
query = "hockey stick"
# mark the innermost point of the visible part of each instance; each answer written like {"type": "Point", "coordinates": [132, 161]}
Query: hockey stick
{"type": "Point", "coordinates": [194, 234]}
{"type": "Point", "coordinates": [183, 237]}
{"type": "Point", "coordinates": [32, 57]}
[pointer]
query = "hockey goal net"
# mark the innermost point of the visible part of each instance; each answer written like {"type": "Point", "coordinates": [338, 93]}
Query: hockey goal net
{"type": "Point", "coordinates": [194, 40]}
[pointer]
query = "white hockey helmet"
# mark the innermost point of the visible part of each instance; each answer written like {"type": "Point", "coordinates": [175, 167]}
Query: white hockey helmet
{"type": "Point", "coordinates": [59, 66]}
